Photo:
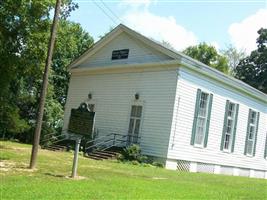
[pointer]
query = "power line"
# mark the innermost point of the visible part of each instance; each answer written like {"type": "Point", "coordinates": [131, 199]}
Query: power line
{"type": "Point", "coordinates": [111, 11]}
{"type": "Point", "coordinates": [111, 18]}
{"type": "Point", "coordinates": [114, 21]}
{"type": "Point", "coordinates": [184, 1]}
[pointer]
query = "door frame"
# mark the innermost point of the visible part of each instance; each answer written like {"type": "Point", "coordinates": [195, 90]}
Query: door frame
{"type": "Point", "coordinates": [136, 103]}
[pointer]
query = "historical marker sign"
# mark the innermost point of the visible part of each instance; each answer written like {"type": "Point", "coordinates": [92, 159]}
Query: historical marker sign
{"type": "Point", "coordinates": [81, 121]}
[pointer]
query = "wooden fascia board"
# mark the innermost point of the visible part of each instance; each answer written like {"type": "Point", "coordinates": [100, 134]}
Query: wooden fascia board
{"type": "Point", "coordinates": [240, 87]}
{"type": "Point", "coordinates": [155, 66]}
{"type": "Point", "coordinates": [121, 28]}
{"type": "Point", "coordinates": [98, 45]}
{"type": "Point", "coordinates": [151, 43]}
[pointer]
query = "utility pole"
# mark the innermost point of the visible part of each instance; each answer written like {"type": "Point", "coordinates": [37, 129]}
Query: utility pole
{"type": "Point", "coordinates": [38, 127]}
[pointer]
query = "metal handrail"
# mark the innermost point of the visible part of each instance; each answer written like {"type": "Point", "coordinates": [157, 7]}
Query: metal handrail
{"type": "Point", "coordinates": [57, 136]}
{"type": "Point", "coordinates": [55, 142]}
{"type": "Point", "coordinates": [121, 141]}
{"type": "Point", "coordinates": [53, 133]}
{"type": "Point", "coordinates": [95, 145]}
{"type": "Point", "coordinates": [103, 136]}
{"type": "Point", "coordinates": [114, 140]}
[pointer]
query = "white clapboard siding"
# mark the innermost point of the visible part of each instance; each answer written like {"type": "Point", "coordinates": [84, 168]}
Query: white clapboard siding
{"type": "Point", "coordinates": [114, 95]}
{"type": "Point", "coordinates": [179, 146]}
{"type": "Point", "coordinates": [138, 53]}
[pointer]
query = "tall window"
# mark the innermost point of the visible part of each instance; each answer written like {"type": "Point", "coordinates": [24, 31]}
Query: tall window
{"type": "Point", "coordinates": [265, 151]}
{"type": "Point", "coordinates": [201, 119]}
{"type": "Point", "coordinates": [134, 124]}
{"type": "Point", "coordinates": [229, 128]}
{"type": "Point", "coordinates": [252, 129]}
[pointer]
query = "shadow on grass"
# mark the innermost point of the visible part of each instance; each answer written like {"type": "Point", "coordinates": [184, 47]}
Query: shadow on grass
{"type": "Point", "coordinates": [55, 175]}
{"type": "Point", "coordinates": [65, 177]}
{"type": "Point", "coordinates": [4, 158]}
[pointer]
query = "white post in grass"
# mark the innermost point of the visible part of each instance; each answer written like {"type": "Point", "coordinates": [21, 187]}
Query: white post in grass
{"type": "Point", "coordinates": [217, 169]}
{"type": "Point", "coordinates": [171, 164]}
{"type": "Point", "coordinates": [193, 167]}
{"type": "Point", "coordinates": [251, 173]}
{"type": "Point", "coordinates": [75, 159]}
{"type": "Point", "coordinates": [235, 171]}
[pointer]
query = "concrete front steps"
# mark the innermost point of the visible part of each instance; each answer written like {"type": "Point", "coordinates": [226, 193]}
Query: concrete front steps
{"type": "Point", "coordinates": [55, 148]}
{"type": "Point", "coordinates": [102, 155]}
{"type": "Point", "coordinates": [109, 153]}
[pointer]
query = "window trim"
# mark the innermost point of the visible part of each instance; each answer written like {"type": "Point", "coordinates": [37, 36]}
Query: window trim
{"type": "Point", "coordinates": [265, 149]}
{"type": "Point", "coordinates": [233, 130]}
{"type": "Point", "coordinates": [136, 103]}
{"type": "Point", "coordinates": [120, 54]}
{"type": "Point", "coordinates": [207, 122]}
{"type": "Point", "coordinates": [256, 125]}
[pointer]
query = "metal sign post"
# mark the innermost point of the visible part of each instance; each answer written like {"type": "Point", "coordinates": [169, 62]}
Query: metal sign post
{"type": "Point", "coordinates": [81, 124]}
{"type": "Point", "coordinates": [75, 158]}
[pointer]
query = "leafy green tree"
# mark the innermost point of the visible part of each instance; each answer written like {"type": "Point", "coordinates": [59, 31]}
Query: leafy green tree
{"type": "Point", "coordinates": [209, 56]}
{"type": "Point", "coordinates": [18, 21]}
{"type": "Point", "coordinates": [72, 42]}
{"type": "Point", "coordinates": [233, 56]}
{"type": "Point", "coordinates": [253, 69]}
{"type": "Point", "coordinates": [24, 32]}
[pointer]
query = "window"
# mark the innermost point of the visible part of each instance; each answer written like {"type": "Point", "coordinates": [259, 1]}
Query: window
{"type": "Point", "coordinates": [229, 127]}
{"type": "Point", "coordinates": [135, 123]}
{"type": "Point", "coordinates": [252, 129]}
{"type": "Point", "coordinates": [265, 151]}
{"type": "Point", "coordinates": [201, 119]}
{"type": "Point", "coordinates": [120, 54]}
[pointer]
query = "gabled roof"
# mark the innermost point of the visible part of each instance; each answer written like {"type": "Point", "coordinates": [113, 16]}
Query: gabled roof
{"type": "Point", "coordinates": [114, 33]}
{"type": "Point", "coordinates": [183, 60]}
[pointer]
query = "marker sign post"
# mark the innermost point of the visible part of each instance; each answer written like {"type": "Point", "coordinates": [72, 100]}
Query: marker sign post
{"type": "Point", "coordinates": [81, 123]}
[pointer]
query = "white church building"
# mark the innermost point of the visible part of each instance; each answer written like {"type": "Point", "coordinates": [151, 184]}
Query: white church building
{"type": "Point", "coordinates": [181, 112]}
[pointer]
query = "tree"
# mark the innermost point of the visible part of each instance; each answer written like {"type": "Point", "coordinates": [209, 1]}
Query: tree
{"type": "Point", "coordinates": [208, 55]}
{"type": "Point", "coordinates": [18, 20]}
{"type": "Point", "coordinates": [22, 63]}
{"type": "Point", "coordinates": [72, 42]}
{"type": "Point", "coordinates": [234, 57]}
{"type": "Point", "coordinates": [253, 69]}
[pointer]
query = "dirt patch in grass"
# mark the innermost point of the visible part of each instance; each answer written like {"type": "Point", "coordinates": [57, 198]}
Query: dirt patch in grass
{"type": "Point", "coordinates": [159, 178]}
{"type": "Point", "coordinates": [7, 166]}
{"type": "Point", "coordinates": [76, 178]}
{"type": "Point", "coordinates": [67, 177]}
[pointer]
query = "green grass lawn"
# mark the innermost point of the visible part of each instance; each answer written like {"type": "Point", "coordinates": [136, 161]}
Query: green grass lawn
{"type": "Point", "coordinates": [111, 180]}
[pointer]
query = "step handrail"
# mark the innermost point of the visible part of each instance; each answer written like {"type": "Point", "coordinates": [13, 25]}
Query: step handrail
{"type": "Point", "coordinates": [113, 141]}
{"type": "Point", "coordinates": [54, 142]}
{"type": "Point", "coordinates": [121, 141]}
{"type": "Point", "coordinates": [56, 136]}
{"type": "Point", "coordinates": [95, 145]}
{"type": "Point", "coordinates": [103, 136]}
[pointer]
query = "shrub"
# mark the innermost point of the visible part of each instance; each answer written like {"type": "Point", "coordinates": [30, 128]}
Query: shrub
{"type": "Point", "coordinates": [143, 159]}
{"type": "Point", "coordinates": [132, 152]}
{"type": "Point", "coordinates": [157, 164]}
{"type": "Point", "coordinates": [120, 157]}
{"type": "Point", "coordinates": [135, 162]}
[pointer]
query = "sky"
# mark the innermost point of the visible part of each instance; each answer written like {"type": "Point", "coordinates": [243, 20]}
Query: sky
{"type": "Point", "coordinates": [181, 23]}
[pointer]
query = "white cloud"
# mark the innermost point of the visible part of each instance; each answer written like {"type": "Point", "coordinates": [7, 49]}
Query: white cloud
{"type": "Point", "coordinates": [159, 28]}
{"type": "Point", "coordinates": [244, 34]}
{"type": "Point", "coordinates": [136, 3]}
